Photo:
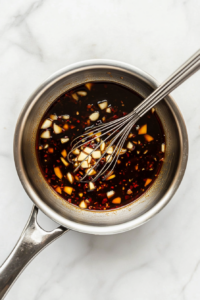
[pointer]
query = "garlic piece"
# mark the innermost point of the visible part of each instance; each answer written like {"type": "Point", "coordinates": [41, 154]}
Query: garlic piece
{"type": "Point", "coordinates": [88, 85]}
{"type": "Point", "coordinates": [108, 110]}
{"type": "Point", "coordinates": [82, 156]}
{"type": "Point", "coordinates": [110, 177]}
{"type": "Point", "coordinates": [92, 186]}
{"type": "Point", "coordinates": [163, 147]}
{"type": "Point", "coordinates": [66, 126]}
{"type": "Point", "coordinates": [131, 135]}
{"type": "Point", "coordinates": [64, 153]}
{"type": "Point", "coordinates": [102, 146]}
{"type": "Point", "coordinates": [98, 134]}
{"type": "Point", "coordinates": [90, 172]}
{"type": "Point", "coordinates": [130, 146]}
{"type": "Point", "coordinates": [84, 164]}
{"type": "Point", "coordinates": [58, 190]}
{"type": "Point", "coordinates": [46, 124]}
{"type": "Point", "coordinates": [65, 163]}
{"type": "Point", "coordinates": [88, 150]}
{"type": "Point", "coordinates": [103, 104]}
{"type": "Point", "coordinates": [110, 194]}
{"type": "Point", "coordinates": [110, 150]}
{"type": "Point", "coordinates": [46, 134]}
{"type": "Point", "coordinates": [117, 200]}
{"type": "Point", "coordinates": [83, 204]}
{"type": "Point", "coordinates": [108, 158]}
{"type": "Point", "coordinates": [57, 129]}
{"type": "Point", "coordinates": [70, 177]}
{"type": "Point", "coordinates": [96, 154]}
{"type": "Point", "coordinates": [68, 190]}
{"type": "Point", "coordinates": [148, 181]}
{"type": "Point", "coordinates": [148, 138]}
{"type": "Point", "coordinates": [66, 117]}
{"type": "Point", "coordinates": [58, 172]}
{"type": "Point", "coordinates": [143, 129]}
{"type": "Point", "coordinates": [129, 191]}
{"type": "Point", "coordinates": [53, 117]}
{"type": "Point", "coordinates": [75, 96]}
{"type": "Point", "coordinates": [122, 151]}
{"type": "Point", "coordinates": [64, 140]}
{"type": "Point", "coordinates": [76, 151]}
{"type": "Point", "coordinates": [89, 159]}
{"type": "Point", "coordinates": [94, 116]}
{"type": "Point", "coordinates": [82, 93]}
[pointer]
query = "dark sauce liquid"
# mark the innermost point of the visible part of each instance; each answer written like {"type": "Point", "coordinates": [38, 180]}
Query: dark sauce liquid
{"type": "Point", "coordinates": [137, 168]}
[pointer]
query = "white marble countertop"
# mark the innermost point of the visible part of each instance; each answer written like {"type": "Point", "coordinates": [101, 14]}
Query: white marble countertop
{"type": "Point", "coordinates": [161, 259]}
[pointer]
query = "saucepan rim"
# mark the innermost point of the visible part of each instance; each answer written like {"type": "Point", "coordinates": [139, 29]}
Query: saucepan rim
{"type": "Point", "coordinates": [110, 229]}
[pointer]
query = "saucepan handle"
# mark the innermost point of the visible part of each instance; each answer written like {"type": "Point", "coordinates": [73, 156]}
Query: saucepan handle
{"type": "Point", "coordinates": [32, 240]}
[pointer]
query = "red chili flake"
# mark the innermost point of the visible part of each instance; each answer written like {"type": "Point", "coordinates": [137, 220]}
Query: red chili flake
{"type": "Point", "coordinates": [112, 187]}
{"type": "Point", "coordinates": [104, 200]}
{"type": "Point", "coordinates": [70, 200]}
{"type": "Point", "coordinates": [124, 179]}
{"type": "Point", "coordinates": [78, 121]}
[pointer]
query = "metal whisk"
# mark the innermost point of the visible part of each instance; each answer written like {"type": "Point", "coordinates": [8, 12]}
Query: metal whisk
{"type": "Point", "coordinates": [115, 132]}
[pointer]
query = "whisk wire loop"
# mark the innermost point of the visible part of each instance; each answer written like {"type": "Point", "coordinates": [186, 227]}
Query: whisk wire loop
{"type": "Point", "coordinates": [115, 134]}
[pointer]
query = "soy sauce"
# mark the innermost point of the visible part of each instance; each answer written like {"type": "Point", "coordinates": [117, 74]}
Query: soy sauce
{"type": "Point", "coordinates": [69, 115]}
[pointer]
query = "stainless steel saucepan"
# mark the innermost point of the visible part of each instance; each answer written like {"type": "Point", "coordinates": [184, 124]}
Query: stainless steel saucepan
{"type": "Point", "coordinates": [33, 238]}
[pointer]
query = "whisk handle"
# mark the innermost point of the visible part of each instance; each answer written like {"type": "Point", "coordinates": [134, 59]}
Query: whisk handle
{"type": "Point", "coordinates": [179, 76]}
